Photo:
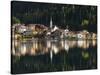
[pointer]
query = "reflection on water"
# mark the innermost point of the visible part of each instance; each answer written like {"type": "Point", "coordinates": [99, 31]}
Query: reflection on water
{"type": "Point", "coordinates": [36, 55]}
{"type": "Point", "coordinates": [36, 47]}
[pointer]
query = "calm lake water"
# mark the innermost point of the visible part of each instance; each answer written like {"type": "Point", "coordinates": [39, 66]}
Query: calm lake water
{"type": "Point", "coordinates": [34, 55]}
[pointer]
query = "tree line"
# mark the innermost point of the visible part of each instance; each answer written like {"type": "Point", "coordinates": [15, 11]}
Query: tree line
{"type": "Point", "coordinates": [77, 17]}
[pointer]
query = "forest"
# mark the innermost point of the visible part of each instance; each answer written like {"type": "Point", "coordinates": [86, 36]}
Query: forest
{"type": "Point", "coordinates": [76, 17]}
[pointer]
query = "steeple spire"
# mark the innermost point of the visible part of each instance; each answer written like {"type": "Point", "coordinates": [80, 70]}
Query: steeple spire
{"type": "Point", "coordinates": [51, 22]}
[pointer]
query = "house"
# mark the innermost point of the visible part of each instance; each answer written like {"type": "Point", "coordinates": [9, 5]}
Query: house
{"type": "Point", "coordinates": [54, 29]}
{"type": "Point", "coordinates": [27, 33]}
{"type": "Point", "coordinates": [80, 36]}
{"type": "Point", "coordinates": [83, 35]}
{"type": "Point", "coordinates": [37, 28]}
{"type": "Point", "coordinates": [56, 34]}
{"type": "Point", "coordinates": [20, 28]}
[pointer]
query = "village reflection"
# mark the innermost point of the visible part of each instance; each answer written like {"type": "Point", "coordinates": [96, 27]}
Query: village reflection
{"type": "Point", "coordinates": [53, 55]}
{"type": "Point", "coordinates": [40, 47]}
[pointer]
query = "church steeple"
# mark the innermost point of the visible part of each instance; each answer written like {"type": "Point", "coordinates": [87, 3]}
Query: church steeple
{"type": "Point", "coordinates": [51, 23]}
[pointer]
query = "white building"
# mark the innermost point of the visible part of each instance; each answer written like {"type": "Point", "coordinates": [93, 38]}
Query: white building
{"type": "Point", "coordinates": [21, 29]}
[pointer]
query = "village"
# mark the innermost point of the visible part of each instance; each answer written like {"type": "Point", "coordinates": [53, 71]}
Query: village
{"type": "Point", "coordinates": [52, 32]}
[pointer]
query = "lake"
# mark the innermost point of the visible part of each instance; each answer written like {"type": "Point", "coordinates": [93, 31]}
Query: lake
{"type": "Point", "coordinates": [41, 55]}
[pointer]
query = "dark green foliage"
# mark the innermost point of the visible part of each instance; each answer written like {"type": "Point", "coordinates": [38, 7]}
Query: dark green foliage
{"type": "Point", "coordinates": [77, 17]}
{"type": "Point", "coordinates": [15, 20]}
